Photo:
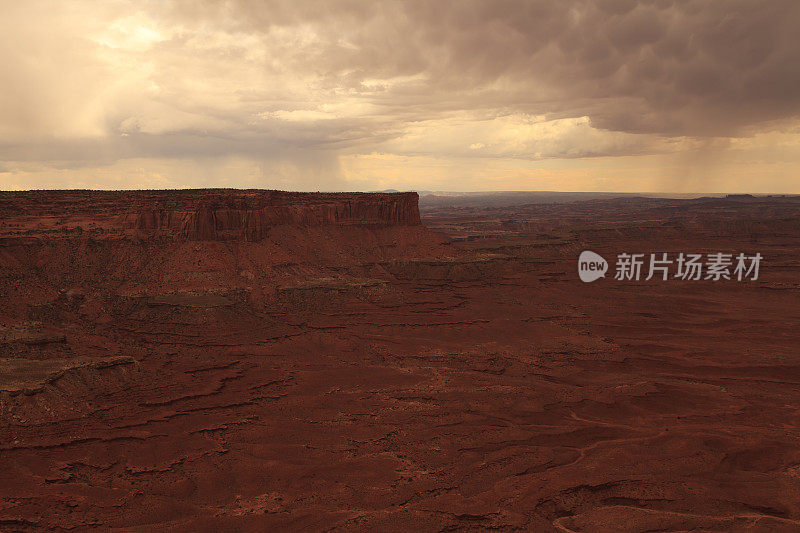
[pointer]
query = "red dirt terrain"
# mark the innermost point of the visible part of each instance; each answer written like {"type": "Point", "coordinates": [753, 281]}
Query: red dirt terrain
{"type": "Point", "coordinates": [220, 360]}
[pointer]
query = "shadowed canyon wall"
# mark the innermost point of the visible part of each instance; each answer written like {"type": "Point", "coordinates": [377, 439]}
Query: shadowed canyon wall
{"type": "Point", "coordinates": [197, 214]}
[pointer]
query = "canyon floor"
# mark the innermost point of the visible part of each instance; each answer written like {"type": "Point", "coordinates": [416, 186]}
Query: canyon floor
{"type": "Point", "coordinates": [348, 368]}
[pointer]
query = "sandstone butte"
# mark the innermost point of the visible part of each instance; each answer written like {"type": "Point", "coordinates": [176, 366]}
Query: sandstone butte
{"type": "Point", "coordinates": [226, 360]}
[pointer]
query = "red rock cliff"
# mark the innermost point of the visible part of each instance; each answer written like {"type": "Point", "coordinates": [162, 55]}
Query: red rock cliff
{"type": "Point", "coordinates": [208, 214]}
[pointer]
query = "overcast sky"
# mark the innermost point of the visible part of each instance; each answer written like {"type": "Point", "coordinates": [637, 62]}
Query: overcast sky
{"type": "Point", "coordinates": [593, 95]}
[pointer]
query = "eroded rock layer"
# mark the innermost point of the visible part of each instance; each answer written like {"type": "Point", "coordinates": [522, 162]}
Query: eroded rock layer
{"type": "Point", "coordinates": [213, 214]}
{"type": "Point", "coordinates": [348, 369]}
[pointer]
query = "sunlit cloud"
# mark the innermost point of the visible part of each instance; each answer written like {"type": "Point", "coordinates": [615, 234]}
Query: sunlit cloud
{"type": "Point", "coordinates": [648, 95]}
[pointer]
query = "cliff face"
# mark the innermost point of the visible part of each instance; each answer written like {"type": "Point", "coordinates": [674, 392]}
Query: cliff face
{"type": "Point", "coordinates": [215, 239]}
{"type": "Point", "coordinates": [213, 214]}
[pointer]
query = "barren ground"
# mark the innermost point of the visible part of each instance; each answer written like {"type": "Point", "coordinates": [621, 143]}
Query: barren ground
{"type": "Point", "coordinates": [396, 378]}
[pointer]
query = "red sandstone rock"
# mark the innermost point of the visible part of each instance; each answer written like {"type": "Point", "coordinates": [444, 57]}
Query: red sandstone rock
{"type": "Point", "coordinates": [253, 360]}
{"type": "Point", "coordinates": [213, 214]}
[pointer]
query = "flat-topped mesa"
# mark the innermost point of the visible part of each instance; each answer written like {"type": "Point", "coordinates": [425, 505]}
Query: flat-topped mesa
{"type": "Point", "coordinates": [250, 215]}
{"type": "Point", "coordinates": [204, 214]}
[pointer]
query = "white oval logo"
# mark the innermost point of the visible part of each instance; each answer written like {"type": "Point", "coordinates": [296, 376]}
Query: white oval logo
{"type": "Point", "coordinates": [591, 266]}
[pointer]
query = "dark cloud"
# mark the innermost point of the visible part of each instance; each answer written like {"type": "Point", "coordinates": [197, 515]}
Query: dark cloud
{"type": "Point", "coordinates": [696, 67]}
{"type": "Point", "coordinates": [284, 78]}
{"type": "Point", "coordinates": [683, 68]}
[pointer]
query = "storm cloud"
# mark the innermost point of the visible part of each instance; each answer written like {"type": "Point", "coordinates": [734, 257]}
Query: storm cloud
{"type": "Point", "coordinates": [313, 85]}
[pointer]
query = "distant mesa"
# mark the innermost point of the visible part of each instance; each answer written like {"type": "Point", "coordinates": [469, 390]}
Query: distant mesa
{"type": "Point", "coordinates": [203, 214]}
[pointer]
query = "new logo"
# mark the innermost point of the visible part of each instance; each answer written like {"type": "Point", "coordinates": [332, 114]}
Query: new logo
{"type": "Point", "coordinates": [591, 266]}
